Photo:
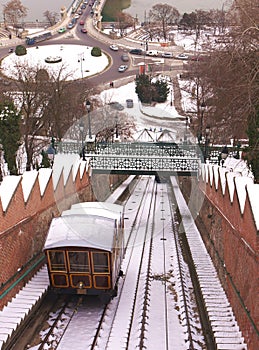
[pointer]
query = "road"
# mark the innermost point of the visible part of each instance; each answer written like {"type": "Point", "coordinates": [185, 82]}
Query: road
{"type": "Point", "coordinates": [93, 38]}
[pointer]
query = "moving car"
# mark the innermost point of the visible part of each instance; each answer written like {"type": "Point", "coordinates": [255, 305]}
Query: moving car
{"type": "Point", "coordinates": [136, 51]}
{"type": "Point", "coordinates": [84, 30]}
{"type": "Point", "coordinates": [152, 53]}
{"type": "Point", "coordinates": [62, 30]}
{"type": "Point", "coordinates": [167, 54]}
{"type": "Point", "coordinates": [70, 25]}
{"type": "Point", "coordinates": [125, 57]}
{"type": "Point", "coordinates": [84, 250]}
{"type": "Point", "coordinates": [182, 56]}
{"type": "Point", "coordinates": [122, 68]}
{"type": "Point", "coordinates": [114, 47]}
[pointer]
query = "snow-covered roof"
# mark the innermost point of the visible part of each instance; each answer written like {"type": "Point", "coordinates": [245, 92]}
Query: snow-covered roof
{"type": "Point", "coordinates": [81, 231]}
{"type": "Point", "coordinates": [92, 212]}
{"type": "Point", "coordinates": [166, 135]}
{"type": "Point", "coordinates": [145, 135]}
{"type": "Point", "coordinates": [100, 205]}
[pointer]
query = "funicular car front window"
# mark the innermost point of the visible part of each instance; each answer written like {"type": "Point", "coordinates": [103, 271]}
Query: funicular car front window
{"type": "Point", "coordinates": [100, 262]}
{"type": "Point", "coordinates": [78, 261]}
{"type": "Point", "coordinates": [57, 260]}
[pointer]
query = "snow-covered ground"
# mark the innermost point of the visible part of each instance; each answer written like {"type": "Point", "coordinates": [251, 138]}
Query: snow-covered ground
{"type": "Point", "coordinates": [76, 62]}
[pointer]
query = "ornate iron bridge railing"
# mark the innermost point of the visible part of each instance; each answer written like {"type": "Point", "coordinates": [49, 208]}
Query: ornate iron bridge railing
{"type": "Point", "coordinates": [139, 157]}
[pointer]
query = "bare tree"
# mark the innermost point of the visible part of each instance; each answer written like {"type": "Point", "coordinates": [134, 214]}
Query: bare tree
{"type": "Point", "coordinates": [218, 20]}
{"type": "Point", "coordinates": [165, 16]}
{"type": "Point", "coordinates": [51, 17]}
{"type": "Point", "coordinates": [13, 12]}
{"type": "Point", "coordinates": [124, 20]}
{"type": "Point", "coordinates": [49, 103]}
{"type": "Point", "coordinates": [32, 97]}
{"type": "Point", "coordinates": [230, 76]}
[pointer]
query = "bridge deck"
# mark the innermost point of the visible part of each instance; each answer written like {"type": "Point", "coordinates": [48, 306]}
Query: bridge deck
{"type": "Point", "coordinates": [141, 157]}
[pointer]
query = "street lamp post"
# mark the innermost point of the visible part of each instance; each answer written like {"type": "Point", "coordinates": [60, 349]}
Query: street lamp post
{"type": "Point", "coordinates": [186, 129]}
{"type": "Point", "coordinates": [145, 44]}
{"type": "Point", "coordinates": [81, 127]}
{"type": "Point", "coordinates": [81, 58]}
{"type": "Point", "coordinates": [116, 126]}
{"type": "Point", "coordinates": [88, 108]}
{"type": "Point", "coordinates": [51, 151]}
{"type": "Point", "coordinates": [116, 133]}
{"type": "Point", "coordinates": [207, 142]}
{"type": "Point", "coordinates": [202, 109]}
{"type": "Point", "coordinates": [223, 156]}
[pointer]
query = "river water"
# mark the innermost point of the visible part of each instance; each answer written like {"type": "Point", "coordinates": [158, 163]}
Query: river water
{"type": "Point", "coordinates": [36, 8]}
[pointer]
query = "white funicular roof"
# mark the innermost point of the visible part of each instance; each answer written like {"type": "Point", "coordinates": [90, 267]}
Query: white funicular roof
{"type": "Point", "coordinates": [92, 212]}
{"type": "Point", "coordinates": [81, 231]}
{"type": "Point", "coordinates": [99, 205]}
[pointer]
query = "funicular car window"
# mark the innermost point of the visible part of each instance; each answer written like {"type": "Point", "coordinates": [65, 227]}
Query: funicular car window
{"type": "Point", "coordinates": [102, 282]}
{"type": "Point", "coordinates": [57, 260]}
{"type": "Point", "coordinates": [78, 261]}
{"type": "Point", "coordinates": [59, 280]}
{"type": "Point", "coordinates": [100, 262]}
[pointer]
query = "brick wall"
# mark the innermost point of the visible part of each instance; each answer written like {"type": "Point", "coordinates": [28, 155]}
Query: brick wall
{"type": "Point", "coordinates": [232, 239]}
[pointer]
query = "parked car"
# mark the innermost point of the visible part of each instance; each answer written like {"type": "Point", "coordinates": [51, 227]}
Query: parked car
{"type": "Point", "coordinates": [11, 50]}
{"type": "Point", "coordinates": [182, 56]}
{"type": "Point", "coordinates": [167, 54]}
{"type": "Point", "coordinates": [136, 51]}
{"type": "Point", "coordinates": [116, 105]}
{"type": "Point", "coordinates": [122, 68]}
{"type": "Point", "coordinates": [152, 53]}
{"type": "Point", "coordinates": [114, 47]}
{"type": "Point", "coordinates": [125, 57]}
{"type": "Point", "coordinates": [129, 103]}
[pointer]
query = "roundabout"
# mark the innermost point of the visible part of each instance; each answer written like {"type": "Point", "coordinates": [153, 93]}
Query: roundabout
{"type": "Point", "coordinates": [71, 62]}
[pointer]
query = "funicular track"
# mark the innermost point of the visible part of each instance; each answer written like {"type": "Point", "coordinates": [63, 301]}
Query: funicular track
{"type": "Point", "coordinates": [131, 319]}
{"type": "Point", "coordinates": [93, 313]}
{"type": "Point", "coordinates": [154, 267]}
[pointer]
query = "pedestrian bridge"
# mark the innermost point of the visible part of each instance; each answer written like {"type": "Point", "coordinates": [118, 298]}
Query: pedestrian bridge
{"type": "Point", "coordinates": [152, 158]}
